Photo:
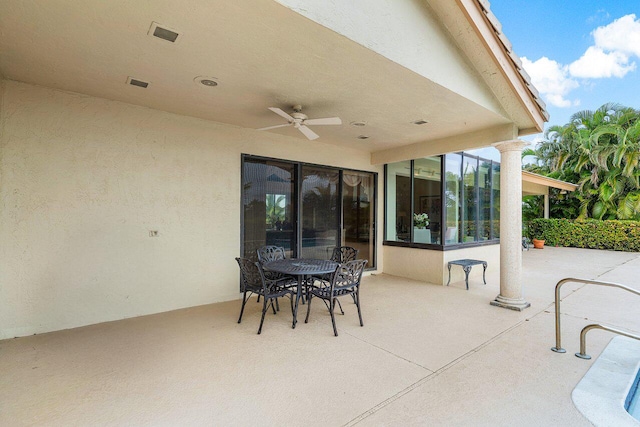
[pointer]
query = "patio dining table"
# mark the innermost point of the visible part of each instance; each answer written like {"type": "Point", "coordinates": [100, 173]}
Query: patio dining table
{"type": "Point", "coordinates": [303, 269]}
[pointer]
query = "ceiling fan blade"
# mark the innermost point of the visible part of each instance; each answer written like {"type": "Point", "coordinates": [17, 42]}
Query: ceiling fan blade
{"type": "Point", "coordinates": [325, 121]}
{"type": "Point", "coordinates": [308, 132]}
{"type": "Point", "coordinates": [276, 126]}
{"type": "Point", "coordinates": [281, 113]}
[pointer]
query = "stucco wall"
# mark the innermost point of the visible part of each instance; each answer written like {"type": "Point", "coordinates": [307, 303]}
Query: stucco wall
{"type": "Point", "coordinates": [85, 179]}
{"type": "Point", "coordinates": [431, 266]}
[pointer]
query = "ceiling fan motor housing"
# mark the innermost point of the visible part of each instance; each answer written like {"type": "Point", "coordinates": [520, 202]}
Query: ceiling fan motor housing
{"type": "Point", "coordinates": [299, 116]}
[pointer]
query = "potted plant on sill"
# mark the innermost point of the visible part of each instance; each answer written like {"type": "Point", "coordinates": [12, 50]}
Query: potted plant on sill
{"type": "Point", "coordinates": [420, 232]}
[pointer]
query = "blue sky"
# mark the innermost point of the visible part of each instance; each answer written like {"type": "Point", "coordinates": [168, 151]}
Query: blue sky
{"type": "Point", "coordinates": [579, 54]}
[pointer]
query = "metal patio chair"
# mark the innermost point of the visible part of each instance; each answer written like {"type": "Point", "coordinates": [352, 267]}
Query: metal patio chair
{"type": "Point", "coordinates": [253, 281]}
{"type": "Point", "coordinates": [345, 281]}
{"type": "Point", "coordinates": [270, 253]}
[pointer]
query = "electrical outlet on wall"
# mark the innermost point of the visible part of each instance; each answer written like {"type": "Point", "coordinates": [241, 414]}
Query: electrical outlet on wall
{"type": "Point", "coordinates": [153, 233]}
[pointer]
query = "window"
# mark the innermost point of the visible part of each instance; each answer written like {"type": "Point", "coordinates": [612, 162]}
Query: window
{"type": "Point", "coordinates": [461, 209]}
{"type": "Point", "coordinates": [413, 191]}
{"type": "Point", "coordinates": [307, 209]}
{"type": "Point", "coordinates": [453, 199]}
{"type": "Point", "coordinates": [398, 193]}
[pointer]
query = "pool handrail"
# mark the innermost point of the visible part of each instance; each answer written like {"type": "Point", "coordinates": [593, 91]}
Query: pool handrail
{"type": "Point", "coordinates": [558, 348]}
{"type": "Point", "coordinates": [583, 337]}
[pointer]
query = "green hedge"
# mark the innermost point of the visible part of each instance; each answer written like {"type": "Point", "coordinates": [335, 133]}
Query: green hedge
{"type": "Point", "coordinates": [592, 234]}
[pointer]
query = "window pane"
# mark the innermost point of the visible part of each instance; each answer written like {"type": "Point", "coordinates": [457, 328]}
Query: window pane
{"type": "Point", "coordinates": [484, 202]}
{"type": "Point", "coordinates": [398, 202]}
{"type": "Point", "coordinates": [268, 205]}
{"type": "Point", "coordinates": [427, 200]}
{"type": "Point", "coordinates": [358, 201]}
{"type": "Point", "coordinates": [495, 187]}
{"type": "Point", "coordinates": [469, 212]}
{"type": "Point", "coordinates": [320, 215]}
{"type": "Point", "coordinates": [452, 198]}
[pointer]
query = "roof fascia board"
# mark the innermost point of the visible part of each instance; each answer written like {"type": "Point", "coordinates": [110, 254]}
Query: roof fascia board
{"type": "Point", "coordinates": [480, 23]}
{"type": "Point", "coordinates": [548, 182]}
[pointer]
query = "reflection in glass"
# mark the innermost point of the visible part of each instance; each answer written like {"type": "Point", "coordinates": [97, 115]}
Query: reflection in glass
{"type": "Point", "coordinates": [470, 203]}
{"type": "Point", "coordinates": [426, 199]}
{"type": "Point", "coordinates": [453, 164]}
{"type": "Point", "coordinates": [268, 205]}
{"type": "Point", "coordinates": [320, 215]}
{"type": "Point", "coordinates": [358, 201]}
{"type": "Point", "coordinates": [495, 187]}
{"type": "Point", "coordinates": [484, 200]}
{"type": "Point", "coordinates": [398, 215]}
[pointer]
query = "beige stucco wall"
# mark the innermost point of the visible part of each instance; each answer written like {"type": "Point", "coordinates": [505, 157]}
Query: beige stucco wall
{"type": "Point", "coordinates": [431, 266]}
{"type": "Point", "coordinates": [85, 179]}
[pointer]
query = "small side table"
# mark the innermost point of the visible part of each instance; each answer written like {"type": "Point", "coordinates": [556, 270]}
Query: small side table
{"type": "Point", "coordinates": [466, 266]}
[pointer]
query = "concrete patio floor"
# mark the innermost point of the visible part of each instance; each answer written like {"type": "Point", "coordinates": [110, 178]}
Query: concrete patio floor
{"type": "Point", "coordinates": [427, 355]}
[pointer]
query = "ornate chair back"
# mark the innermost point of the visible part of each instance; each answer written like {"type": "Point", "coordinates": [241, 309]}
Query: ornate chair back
{"type": "Point", "coordinates": [250, 276]}
{"type": "Point", "coordinates": [343, 254]}
{"type": "Point", "coordinates": [347, 277]}
{"type": "Point", "coordinates": [270, 253]}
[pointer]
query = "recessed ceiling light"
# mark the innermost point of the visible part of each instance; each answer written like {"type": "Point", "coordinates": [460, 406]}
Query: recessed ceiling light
{"type": "Point", "coordinates": [358, 123]}
{"type": "Point", "coordinates": [137, 82]}
{"type": "Point", "coordinates": [420, 122]}
{"type": "Point", "coordinates": [206, 81]}
{"type": "Point", "coordinates": [362, 137]}
{"type": "Point", "coordinates": [163, 32]}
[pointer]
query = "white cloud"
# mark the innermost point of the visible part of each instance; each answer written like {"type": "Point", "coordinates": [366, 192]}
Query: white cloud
{"type": "Point", "coordinates": [597, 64]}
{"type": "Point", "coordinates": [622, 35]}
{"type": "Point", "coordinates": [552, 80]}
{"type": "Point", "coordinates": [615, 46]}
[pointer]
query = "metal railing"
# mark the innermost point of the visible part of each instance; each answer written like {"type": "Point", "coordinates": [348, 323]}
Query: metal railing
{"type": "Point", "coordinates": [583, 337]}
{"type": "Point", "coordinates": [558, 348]}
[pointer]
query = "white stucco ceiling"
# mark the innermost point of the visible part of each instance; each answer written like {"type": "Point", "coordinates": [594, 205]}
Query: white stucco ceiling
{"type": "Point", "coordinates": [262, 53]}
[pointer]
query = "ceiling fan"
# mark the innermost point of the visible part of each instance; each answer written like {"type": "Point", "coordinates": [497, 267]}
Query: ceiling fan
{"type": "Point", "coordinates": [301, 121]}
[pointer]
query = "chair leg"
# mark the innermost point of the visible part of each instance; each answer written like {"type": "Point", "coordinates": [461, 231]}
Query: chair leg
{"type": "Point", "coordinates": [264, 311]}
{"type": "Point", "coordinates": [273, 306]}
{"type": "Point", "coordinates": [309, 298]}
{"type": "Point", "coordinates": [340, 305]}
{"type": "Point", "coordinates": [333, 317]}
{"type": "Point", "coordinates": [277, 305]}
{"type": "Point", "coordinates": [258, 298]}
{"type": "Point", "coordinates": [292, 312]}
{"type": "Point", "coordinates": [244, 301]}
{"type": "Point", "coordinates": [356, 297]}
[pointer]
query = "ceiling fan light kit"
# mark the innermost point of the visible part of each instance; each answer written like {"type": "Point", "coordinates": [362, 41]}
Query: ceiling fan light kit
{"type": "Point", "coordinates": [301, 122]}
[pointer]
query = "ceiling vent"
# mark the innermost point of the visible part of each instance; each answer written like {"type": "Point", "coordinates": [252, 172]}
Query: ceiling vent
{"type": "Point", "coordinates": [136, 82]}
{"type": "Point", "coordinates": [163, 32]}
{"type": "Point", "coordinates": [362, 137]}
{"type": "Point", "coordinates": [420, 122]}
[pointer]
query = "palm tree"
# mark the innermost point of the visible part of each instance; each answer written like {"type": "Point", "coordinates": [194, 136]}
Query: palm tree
{"type": "Point", "coordinates": [599, 150]}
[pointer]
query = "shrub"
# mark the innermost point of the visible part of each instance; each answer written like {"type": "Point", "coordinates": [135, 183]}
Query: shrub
{"type": "Point", "coordinates": [590, 233]}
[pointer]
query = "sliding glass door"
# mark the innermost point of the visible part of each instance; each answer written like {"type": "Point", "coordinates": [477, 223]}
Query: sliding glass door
{"type": "Point", "coordinates": [269, 207]}
{"type": "Point", "coordinates": [320, 212]}
{"type": "Point", "coordinates": [307, 209]}
{"type": "Point", "coordinates": [358, 213]}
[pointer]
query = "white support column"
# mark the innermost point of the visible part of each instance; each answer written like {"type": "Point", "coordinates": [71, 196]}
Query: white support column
{"type": "Point", "coordinates": [511, 226]}
{"type": "Point", "coordinates": [546, 204]}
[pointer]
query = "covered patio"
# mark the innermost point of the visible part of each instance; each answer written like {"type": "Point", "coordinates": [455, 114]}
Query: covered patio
{"type": "Point", "coordinates": [427, 355]}
{"type": "Point", "coordinates": [128, 128]}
